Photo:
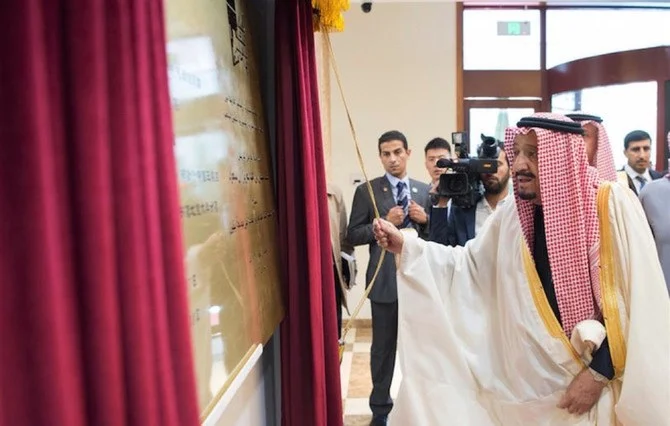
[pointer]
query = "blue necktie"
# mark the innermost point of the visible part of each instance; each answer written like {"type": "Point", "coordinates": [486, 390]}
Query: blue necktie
{"type": "Point", "coordinates": [642, 180]}
{"type": "Point", "coordinates": [403, 201]}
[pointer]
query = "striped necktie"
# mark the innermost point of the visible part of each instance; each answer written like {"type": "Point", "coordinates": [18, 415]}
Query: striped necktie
{"type": "Point", "coordinates": [642, 180]}
{"type": "Point", "coordinates": [403, 201]}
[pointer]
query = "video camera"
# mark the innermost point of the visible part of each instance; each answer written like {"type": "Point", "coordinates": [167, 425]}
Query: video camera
{"type": "Point", "coordinates": [462, 181]}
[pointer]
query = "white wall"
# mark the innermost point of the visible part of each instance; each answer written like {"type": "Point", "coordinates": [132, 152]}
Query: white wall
{"type": "Point", "coordinates": [398, 70]}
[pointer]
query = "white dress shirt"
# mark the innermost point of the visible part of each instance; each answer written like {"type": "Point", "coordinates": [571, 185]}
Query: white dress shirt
{"type": "Point", "coordinates": [634, 177]}
{"type": "Point", "coordinates": [394, 186]}
{"type": "Point", "coordinates": [484, 211]}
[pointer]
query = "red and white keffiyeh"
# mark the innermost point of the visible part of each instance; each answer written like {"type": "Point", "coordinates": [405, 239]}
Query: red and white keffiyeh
{"type": "Point", "coordinates": [568, 189]}
{"type": "Point", "coordinates": [603, 157]}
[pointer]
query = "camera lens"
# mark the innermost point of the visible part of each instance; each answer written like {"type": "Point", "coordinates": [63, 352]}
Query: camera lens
{"type": "Point", "coordinates": [454, 184]}
{"type": "Point", "coordinates": [489, 148]}
{"type": "Point", "coordinates": [366, 6]}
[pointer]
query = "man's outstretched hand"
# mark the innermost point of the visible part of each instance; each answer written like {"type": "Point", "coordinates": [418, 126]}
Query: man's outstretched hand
{"type": "Point", "coordinates": [387, 235]}
{"type": "Point", "coordinates": [582, 394]}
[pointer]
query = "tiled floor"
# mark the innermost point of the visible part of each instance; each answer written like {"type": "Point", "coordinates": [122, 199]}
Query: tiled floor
{"type": "Point", "coordinates": [356, 382]}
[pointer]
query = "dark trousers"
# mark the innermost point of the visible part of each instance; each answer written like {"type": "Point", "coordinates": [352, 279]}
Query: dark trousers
{"type": "Point", "coordinates": [382, 355]}
{"type": "Point", "coordinates": [338, 306]}
{"type": "Point", "coordinates": [338, 303]}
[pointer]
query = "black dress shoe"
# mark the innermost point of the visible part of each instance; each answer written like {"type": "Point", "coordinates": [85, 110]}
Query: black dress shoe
{"type": "Point", "coordinates": [379, 420]}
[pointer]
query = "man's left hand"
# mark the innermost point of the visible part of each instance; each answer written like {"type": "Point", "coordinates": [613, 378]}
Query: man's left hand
{"type": "Point", "coordinates": [582, 394]}
{"type": "Point", "coordinates": [417, 213]}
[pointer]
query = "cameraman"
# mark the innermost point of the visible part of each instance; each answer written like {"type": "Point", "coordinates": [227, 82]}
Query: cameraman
{"type": "Point", "coordinates": [435, 150]}
{"type": "Point", "coordinates": [462, 224]}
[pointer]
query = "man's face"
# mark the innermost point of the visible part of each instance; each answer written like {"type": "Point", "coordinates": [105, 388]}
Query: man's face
{"type": "Point", "coordinates": [394, 157]}
{"type": "Point", "coordinates": [497, 182]}
{"type": "Point", "coordinates": [525, 167]}
{"type": "Point", "coordinates": [591, 142]}
{"type": "Point", "coordinates": [432, 155]}
{"type": "Point", "coordinates": [638, 154]}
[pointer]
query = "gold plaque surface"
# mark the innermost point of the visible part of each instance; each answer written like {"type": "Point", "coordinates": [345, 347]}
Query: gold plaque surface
{"type": "Point", "coordinates": [225, 178]}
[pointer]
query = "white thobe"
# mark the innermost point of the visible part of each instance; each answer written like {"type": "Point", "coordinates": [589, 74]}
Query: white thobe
{"type": "Point", "coordinates": [480, 346]}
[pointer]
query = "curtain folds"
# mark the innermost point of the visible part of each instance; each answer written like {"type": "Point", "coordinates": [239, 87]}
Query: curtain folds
{"type": "Point", "coordinates": [311, 394]}
{"type": "Point", "coordinates": [93, 307]}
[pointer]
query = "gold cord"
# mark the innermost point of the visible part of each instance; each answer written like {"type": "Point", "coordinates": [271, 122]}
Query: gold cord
{"type": "Point", "coordinates": [359, 306]}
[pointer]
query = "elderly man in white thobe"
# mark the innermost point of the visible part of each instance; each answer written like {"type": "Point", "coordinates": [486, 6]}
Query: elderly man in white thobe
{"type": "Point", "coordinates": [554, 315]}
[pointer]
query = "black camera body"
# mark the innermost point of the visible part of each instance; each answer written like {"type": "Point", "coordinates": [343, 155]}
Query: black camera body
{"type": "Point", "coordinates": [462, 182]}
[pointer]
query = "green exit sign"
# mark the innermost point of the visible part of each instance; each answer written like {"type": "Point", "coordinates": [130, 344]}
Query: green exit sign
{"type": "Point", "coordinates": [513, 28]}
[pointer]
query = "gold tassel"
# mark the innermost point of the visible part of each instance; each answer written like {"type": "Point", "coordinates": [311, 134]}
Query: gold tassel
{"type": "Point", "coordinates": [328, 15]}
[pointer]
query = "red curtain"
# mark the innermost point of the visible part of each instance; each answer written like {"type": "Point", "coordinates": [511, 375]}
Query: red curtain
{"type": "Point", "coordinates": [311, 394]}
{"type": "Point", "coordinates": [94, 322]}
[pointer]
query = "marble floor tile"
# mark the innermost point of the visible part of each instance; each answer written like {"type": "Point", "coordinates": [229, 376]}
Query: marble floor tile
{"type": "Point", "coordinates": [360, 382]}
{"type": "Point", "coordinates": [356, 406]}
{"type": "Point", "coordinates": [351, 336]}
{"type": "Point", "coordinates": [345, 372]}
{"type": "Point", "coordinates": [361, 347]}
{"type": "Point", "coordinates": [358, 420]}
{"type": "Point", "coordinates": [356, 380]}
{"type": "Point", "coordinates": [363, 335]}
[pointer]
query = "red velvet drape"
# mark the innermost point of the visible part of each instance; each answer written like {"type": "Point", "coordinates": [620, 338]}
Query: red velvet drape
{"type": "Point", "coordinates": [94, 325]}
{"type": "Point", "coordinates": [311, 394]}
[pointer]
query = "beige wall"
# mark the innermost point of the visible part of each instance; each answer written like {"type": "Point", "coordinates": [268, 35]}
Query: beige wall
{"type": "Point", "coordinates": [398, 70]}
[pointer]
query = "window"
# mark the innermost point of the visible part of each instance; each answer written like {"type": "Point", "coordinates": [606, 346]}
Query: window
{"type": "Point", "coordinates": [516, 48]}
{"type": "Point", "coordinates": [581, 33]}
{"type": "Point", "coordinates": [566, 102]}
{"type": "Point", "coordinates": [192, 69]}
{"type": "Point", "coordinates": [637, 112]}
{"type": "Point", "coordinates": [493, 122]}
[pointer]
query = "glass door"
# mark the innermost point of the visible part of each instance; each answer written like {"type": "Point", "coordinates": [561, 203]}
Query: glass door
{"type": "Point", "coordinates": [490, 118]}
{"type": "Point", "coordinates": [623, 108]}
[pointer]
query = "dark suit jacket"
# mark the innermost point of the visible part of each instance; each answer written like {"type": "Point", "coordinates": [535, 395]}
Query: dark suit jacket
{"type": "Point", "coordinates": [360, 232]}
{"type": "Point", "coordinates": [461, 225]}
{"type": "Point", "coordinates": [456, 229]}
{"type": "Point", "coordinates": [653, 173]}
{"type": "Point", "coordinates": [439, 218]}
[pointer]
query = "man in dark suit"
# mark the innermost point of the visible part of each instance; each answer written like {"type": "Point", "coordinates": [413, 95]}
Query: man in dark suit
{"type": "Point", "coordinates": [462, 224]}
{"type": "Point", "coordinates": [403, 202]}
{"type": "Point", "coordinates": [636, 173]}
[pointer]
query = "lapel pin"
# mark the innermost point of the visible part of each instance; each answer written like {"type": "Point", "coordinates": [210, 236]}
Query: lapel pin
{"type": "Point", "coordinates": [385, 189]}
{"type": "Point", "coordinates": [415, 190]}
